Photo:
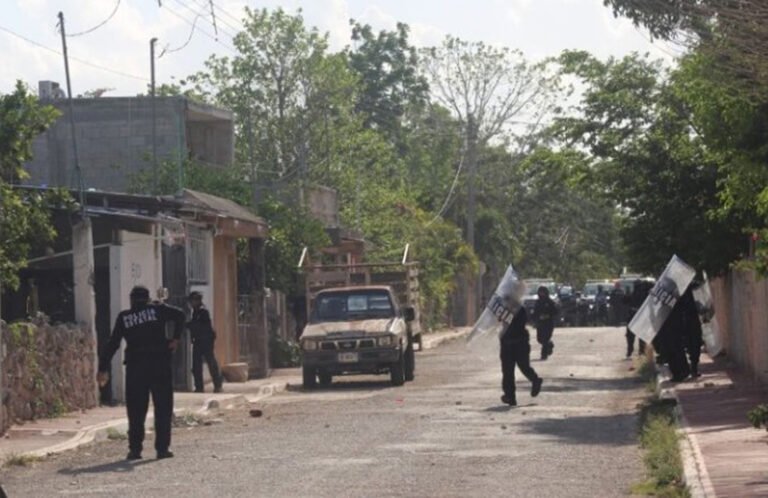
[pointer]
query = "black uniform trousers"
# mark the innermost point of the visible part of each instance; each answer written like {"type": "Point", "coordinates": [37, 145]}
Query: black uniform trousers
{"type": "Point", "coordinates": [515, 353]}
{"type": "Point", "coordinates": [631, 343]}
{"type": "Point", "coordinates": [202, 350]}
{"type": "Point", "coordinates": [149, 376]}
{"type": "Point", "coordinates": [544, 333]}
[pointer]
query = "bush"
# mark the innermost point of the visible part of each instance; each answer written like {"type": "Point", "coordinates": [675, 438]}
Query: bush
{"type": "Point", "coordinates": [283, 353]}
{"type": "Point", "coordinates": [758, 416]}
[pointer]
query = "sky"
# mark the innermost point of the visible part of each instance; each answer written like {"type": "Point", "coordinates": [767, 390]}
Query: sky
{"type": "Point", "coordinates": [115, 55]}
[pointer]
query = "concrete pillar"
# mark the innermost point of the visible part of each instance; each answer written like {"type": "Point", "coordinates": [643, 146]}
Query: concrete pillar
{"type": "Point", "coordinates": [260, 350]}
{"type": "Point", "coordinates": [83, 268]}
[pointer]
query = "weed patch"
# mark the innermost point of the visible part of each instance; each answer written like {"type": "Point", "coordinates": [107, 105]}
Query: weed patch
{"type": "Point", "coordinates": [659, 440]}
{"type": "Point", "coordinates": [21, 460]}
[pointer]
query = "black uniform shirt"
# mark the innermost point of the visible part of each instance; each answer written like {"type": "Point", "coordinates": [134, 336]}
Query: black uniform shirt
{"type": "Point", "coordinates": [200, 326]}
{"type": "Point", "coordinates": [545, 311]}
{"type": "Point", "coordinates": [143, 329]}
{"type": "Point", "coordinates": [516, 331]}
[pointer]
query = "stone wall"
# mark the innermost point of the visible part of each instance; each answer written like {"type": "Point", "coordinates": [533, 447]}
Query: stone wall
{"type": "Point", "coordinates": [47, 370]}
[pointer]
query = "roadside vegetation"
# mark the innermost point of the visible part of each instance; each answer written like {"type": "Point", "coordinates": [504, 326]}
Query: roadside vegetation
{"type": "Point", "coordinates": [659, 439]}
{"type": "Point", "coordinates": [21, 460]}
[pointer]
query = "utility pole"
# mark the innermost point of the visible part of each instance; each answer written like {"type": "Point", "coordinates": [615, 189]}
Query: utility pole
{"type": "Point", "coordinates": [78, 171]}
{"type": "Point", "coordinates": [154, 113]}
{"type": "Point", "coordinates": [471, 186]}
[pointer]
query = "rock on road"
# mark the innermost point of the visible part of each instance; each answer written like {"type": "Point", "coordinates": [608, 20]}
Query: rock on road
{"type": "Point", "coordinates": [445, 434]}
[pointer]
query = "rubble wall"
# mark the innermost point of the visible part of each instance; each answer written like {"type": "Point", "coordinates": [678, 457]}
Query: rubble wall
{"type": "Point", "coordinates": [46, 370]}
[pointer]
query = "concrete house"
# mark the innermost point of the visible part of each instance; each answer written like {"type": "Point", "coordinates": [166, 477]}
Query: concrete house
{"type": "Point", "coordinates": [115, 138]}
{"type": "Point", "coordinates": [180, 243]}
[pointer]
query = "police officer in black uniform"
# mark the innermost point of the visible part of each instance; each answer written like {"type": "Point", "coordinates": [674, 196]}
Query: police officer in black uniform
{"type": "Point", "coordinates": [203, 339]}
{"type": "Point", "coordinates": [516, 350]}
{"type": "Point", "coordinates": [544, 313]}
{"type": "Point", "coordinates": [148, 367]}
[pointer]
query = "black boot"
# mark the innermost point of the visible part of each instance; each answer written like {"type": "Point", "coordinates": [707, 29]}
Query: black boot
{"type": "Point", "coordinates": [536, 387]}
{"type": "Point", "coordinates": [509, 400]}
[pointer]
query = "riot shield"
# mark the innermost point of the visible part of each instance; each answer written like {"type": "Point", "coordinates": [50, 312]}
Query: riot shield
{"type": "Point", "coordinates": [709, 327]}
{"type": "Point", "coordinates": [505, 302]}
{"type": "Point", "coordinates": [672, 283]}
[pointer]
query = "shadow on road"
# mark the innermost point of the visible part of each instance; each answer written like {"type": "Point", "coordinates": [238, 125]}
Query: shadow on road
{"type": "Point", "coordinates": [364, 385]}
{"type": "Point", "coordinates": [507, 408]}
{"type": "Point", "coordinates": [119, 466]}
{"type": "Point", "coordinates": [570, 384]}
{"type": "Point", "coordinates": [610, 430]}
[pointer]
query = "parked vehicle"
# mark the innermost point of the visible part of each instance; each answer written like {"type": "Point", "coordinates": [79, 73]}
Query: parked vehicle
{"type": "Point", "coordinates": [595, 302]}
{"type": "Point", "coordinates": [358, 330]}
{"type": "Point", "coordinates": [568, 298]}
{"type": "Point", "coordinates": [531, 296]}
{"type": "Point", "coordinates": [363, 319]}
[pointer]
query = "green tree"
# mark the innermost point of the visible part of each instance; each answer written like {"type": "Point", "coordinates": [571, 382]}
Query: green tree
{"type": "Point", "coordinates": [390, 83]}
{"type": "Point", "coordinates": [651, 162]}
{"type": "Point", "coordinates": [24, 215]}
{"type": "Point", "coordinates": [488, 90]}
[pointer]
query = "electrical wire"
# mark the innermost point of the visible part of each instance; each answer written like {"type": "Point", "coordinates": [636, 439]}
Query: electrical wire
{"type": "Point", "coordinates": [102, 23]}
{"type": "Point", "coordinates": [204, 14]}
{"type": "Point", "coordinates": [167, 50]}
{"type": "Point", "coordinates": [81, 61]}
{"type": "Point", "coordinates": [206, 33]}
{"type": "Point", "coordinates": [451, 191]}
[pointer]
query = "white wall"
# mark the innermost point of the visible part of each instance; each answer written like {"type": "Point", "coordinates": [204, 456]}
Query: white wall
{"type": "Point", "coordinates": [136, 261]}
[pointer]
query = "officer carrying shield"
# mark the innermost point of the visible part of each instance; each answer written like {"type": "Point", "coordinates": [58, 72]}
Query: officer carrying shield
{"type": "Point", "coordinates": [516, 351]}
{"type": "Point", "coordinates": [148, 368]}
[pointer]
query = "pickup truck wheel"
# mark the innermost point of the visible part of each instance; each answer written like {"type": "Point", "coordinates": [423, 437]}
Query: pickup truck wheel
{"type": "Point", "coordinates": [325, 379]}
{"type": "Point", "coordinates": [410, 363]}
{"type": "Point", "coordinates": [309, 377]}
{"type": "Point", "coordinates": [397, 371]}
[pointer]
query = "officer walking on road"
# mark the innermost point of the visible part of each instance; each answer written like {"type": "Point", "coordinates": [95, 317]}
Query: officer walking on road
{"type": "Point", "coordinates": [203, 339]}
{"type": "Point", "coordinates": [516, 350]}
{"type": "Point", "coordinates": [544, 314]}
{"type": "Point", "coordinates": [148, 369]}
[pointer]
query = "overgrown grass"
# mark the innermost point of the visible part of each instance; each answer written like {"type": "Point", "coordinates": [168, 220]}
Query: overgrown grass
{"type": "Point", "coordinates": [659, 440]}
{"type": "Point", "coordinates": [21, 460]}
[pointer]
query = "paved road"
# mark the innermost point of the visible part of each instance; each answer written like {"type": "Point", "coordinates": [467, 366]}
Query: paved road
{"type": "Point", "coordinates": [446, 434]}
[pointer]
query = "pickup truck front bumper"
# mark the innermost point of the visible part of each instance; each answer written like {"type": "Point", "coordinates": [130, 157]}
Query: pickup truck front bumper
{"type": "Point", "coordinates": [368, 360]}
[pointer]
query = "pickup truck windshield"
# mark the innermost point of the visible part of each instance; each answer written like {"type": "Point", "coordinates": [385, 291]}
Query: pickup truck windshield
{"type": "Point", "coordinates": [353, 305]}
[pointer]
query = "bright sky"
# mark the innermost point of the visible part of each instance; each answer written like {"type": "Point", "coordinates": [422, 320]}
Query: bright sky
{"type": "Point", "coordinates": [537, 27]}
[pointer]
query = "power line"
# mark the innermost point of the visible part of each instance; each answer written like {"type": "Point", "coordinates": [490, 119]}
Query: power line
{"type": "Point", "coordinates": [451, 191]}
{"type": "Point", "coordinates": [205, 16]}
{"type": "Point", "coordinates": [238, 27]}
{"type": "Point", "coordinates": [222, 10]}
{"type": "Point", "coordinates": [102, 23]}
{"type": "Point", "coordinates": [206, 33]}
{"type": "Point", "coordinates": [166, 50]}
{"type": "Point", "coordinates": [81, 61]}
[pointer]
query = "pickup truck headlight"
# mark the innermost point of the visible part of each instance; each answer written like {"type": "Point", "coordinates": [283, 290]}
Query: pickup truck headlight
{"type": "Point", "coordinates": [387, 340]}
{"type": "Point", "coordinates": [309, 345]}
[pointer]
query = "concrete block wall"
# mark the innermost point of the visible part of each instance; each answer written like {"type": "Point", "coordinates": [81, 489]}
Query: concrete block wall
{"type": "Point", "coordinates": [114, 141]}
{"type": "Point", "coordinates": [741, 309]}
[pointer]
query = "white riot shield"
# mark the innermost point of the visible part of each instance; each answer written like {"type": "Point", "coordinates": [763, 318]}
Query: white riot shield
{"type": "Point", "coordinates": [647, 322]}
{"type": "Point", "coordinates": [503, 305]}
{"type": "Point", "coordinates": [709, 327]}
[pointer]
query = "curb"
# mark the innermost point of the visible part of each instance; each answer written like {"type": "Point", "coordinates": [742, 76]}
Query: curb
{"type": "Point", "coordinates": [99, 432]}
{"type": "Point", "coordinates": [432, 343]}
{"type": "Point", "coordinates": [694, 468]}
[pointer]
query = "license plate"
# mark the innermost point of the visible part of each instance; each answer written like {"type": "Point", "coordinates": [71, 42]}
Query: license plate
{"type": "Point", "coordinates": [348, 357]}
